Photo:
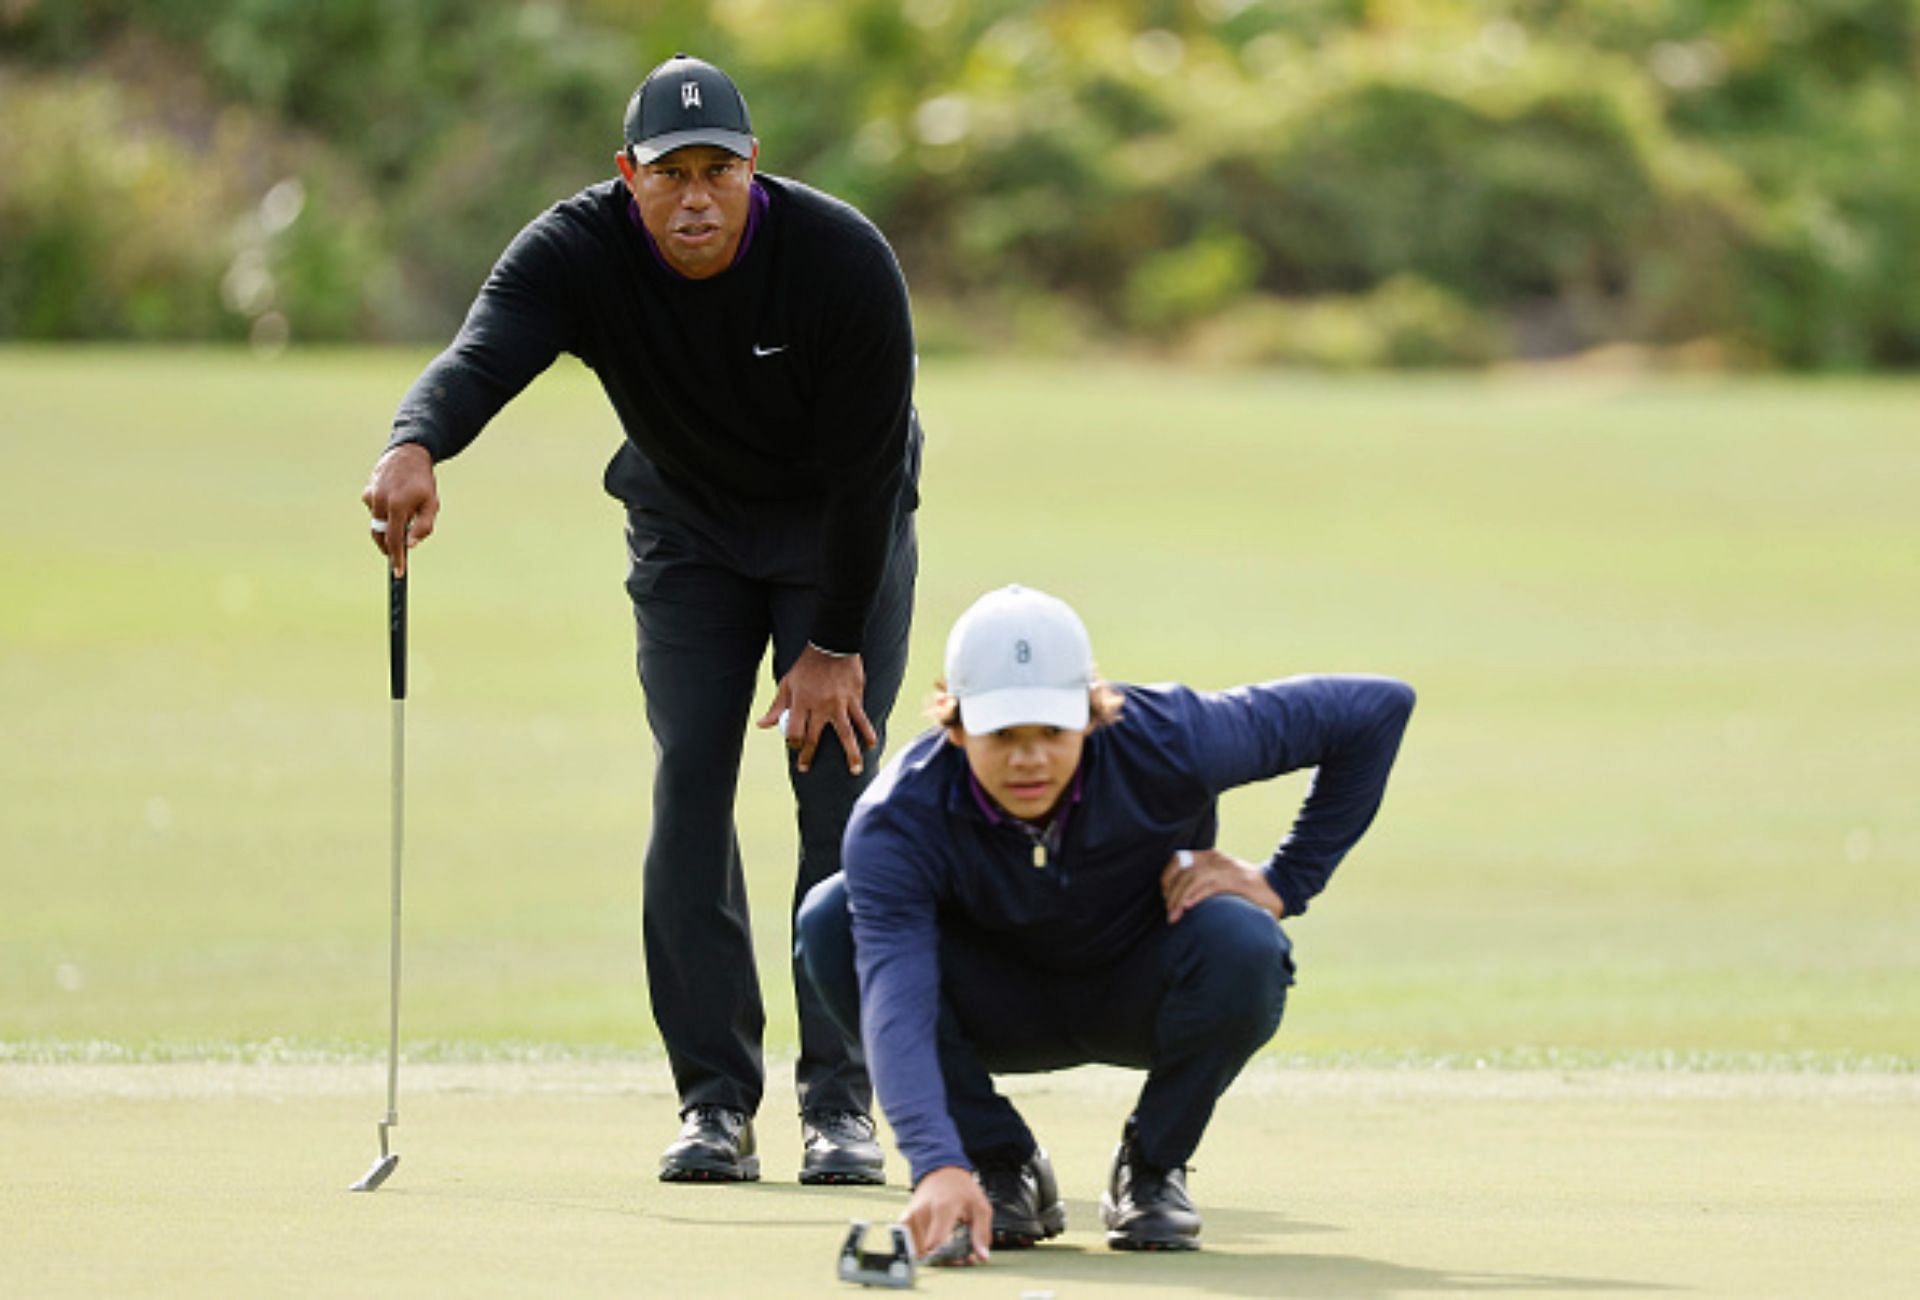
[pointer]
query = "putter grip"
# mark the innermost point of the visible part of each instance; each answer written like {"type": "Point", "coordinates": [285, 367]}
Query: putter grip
{"type": "Point", "coordinates": [397, 634]}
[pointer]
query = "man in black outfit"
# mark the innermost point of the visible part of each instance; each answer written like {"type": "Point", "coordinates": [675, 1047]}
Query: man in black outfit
{"type": "Point", "coordinates": [753, 336]}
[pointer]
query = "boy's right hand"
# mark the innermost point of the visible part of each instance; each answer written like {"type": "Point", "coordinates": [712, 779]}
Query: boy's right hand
{"type": "Point", "coordinates": [942, 1201]}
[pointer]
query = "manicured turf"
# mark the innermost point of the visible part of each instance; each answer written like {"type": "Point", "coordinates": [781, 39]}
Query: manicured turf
{"type": "Point", "coordinates": [186, 1180]}
{"type": "Point", "coordinates": [1656, 802]}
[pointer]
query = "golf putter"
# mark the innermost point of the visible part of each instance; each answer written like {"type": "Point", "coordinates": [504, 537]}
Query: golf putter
{"type": "Point", "coordinates": [873, 1268]}
{"type": "Point", "coordinates": [397, 678]}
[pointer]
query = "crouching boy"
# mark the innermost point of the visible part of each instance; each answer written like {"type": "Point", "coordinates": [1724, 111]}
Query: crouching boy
{"type": "Point", "coordinates": [1034, 885]}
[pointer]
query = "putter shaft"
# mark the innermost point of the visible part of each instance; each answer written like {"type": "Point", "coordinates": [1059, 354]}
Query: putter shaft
{"type": "Point", "coordinates": [393, 961]}
{"type": "Point", "coordinates": [397, 676]}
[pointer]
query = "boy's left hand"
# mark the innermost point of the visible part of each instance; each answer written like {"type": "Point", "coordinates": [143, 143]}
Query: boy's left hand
{"type": "Point", "coordinates": [1196, 874]}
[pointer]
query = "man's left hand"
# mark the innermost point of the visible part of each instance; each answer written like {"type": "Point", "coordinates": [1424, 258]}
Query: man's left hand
{"type": "Point", "coordinates": [1196, 874]}
{"type": "Point", "coordinates": [821, 691]}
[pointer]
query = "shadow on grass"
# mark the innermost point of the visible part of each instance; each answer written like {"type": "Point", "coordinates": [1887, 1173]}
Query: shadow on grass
{"type": "Point", "coordinates": [1240, 1258]}
{"type": "Point", "coordinates": [1228, 1270]}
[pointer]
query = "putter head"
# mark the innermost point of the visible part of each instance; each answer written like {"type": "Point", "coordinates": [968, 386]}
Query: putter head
{"type": "Point", "coordinates": [382, 1170]}
{"type": "Point", "coordinates": [893, 1270]}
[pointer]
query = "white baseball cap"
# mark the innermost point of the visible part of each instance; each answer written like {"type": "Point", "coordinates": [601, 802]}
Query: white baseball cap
{"type": "Point", "coordinates": [1020, 658]}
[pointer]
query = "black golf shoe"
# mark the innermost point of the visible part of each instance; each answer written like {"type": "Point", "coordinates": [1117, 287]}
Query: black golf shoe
{"type": "Point", "coordinates": [715, 1146]}
{"type": "Point", "coordinates": [840, 1148]}
{"type": "Point", "coordinates": [1146, 1208]}
{"type": "Point", "coordinates": [1026, 1201]}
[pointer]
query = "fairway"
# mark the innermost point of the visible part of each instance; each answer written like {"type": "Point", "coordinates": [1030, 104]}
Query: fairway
{"type": "Point", "coordinates": [1620, 995]}
{"type": "Point", "coordinates": [1656, 799]}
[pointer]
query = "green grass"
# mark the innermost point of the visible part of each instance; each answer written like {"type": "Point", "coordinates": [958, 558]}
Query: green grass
{"type": "Point", "coordinates": [1357, 1185]}
{"type": "Point", "coordinates": [1658, 795]}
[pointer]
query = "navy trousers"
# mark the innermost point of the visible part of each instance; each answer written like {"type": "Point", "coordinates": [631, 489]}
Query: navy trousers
{"type": "Point", "coordinates": [1189, 1004]}
{"type": "Point", "coordinates": [710, 593]}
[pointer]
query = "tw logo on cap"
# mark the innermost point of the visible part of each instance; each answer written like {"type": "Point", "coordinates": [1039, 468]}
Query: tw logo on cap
{"type": "Point", "coordinates": [689, 94]}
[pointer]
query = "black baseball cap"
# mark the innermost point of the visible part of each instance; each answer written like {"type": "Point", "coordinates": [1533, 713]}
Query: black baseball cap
{"type": "Point", "coordinates": [687, 101]}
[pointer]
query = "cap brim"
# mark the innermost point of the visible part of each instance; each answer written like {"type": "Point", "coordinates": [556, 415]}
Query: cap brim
{"type": "Point", "coordinates": [1026, 706]}
{"type": "Point", "coordinates": [734, 142]}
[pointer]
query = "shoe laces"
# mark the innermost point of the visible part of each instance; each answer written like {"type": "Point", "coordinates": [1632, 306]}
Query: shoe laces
{"type": "Point", "coordinates": [1153, 1184]}
{"type": "Point", "coordinates": [710, 1112]}
{"type": "Point", "coordinates": [1003, 1182]}
{"type": "Point", "coordinates": [1142, 1176]}
{"type": "Point", "coordinates": [841, 1125]}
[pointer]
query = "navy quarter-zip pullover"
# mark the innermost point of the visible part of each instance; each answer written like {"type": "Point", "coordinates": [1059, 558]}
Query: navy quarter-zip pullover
{"type": "Point", "coordinates": [921, 850]}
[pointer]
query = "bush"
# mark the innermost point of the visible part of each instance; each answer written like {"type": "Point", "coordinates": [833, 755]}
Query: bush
{"type": "Point", "coordinates": [1406, 322]}
{"type": "Point", "coordinates": [1171, 290]}
{"type": "Point", "coordinates": [1837, 283]}
{"type": "Point", "coordinates": [113, 228]}
{"type": "Point", "coordinates": [1554, 180]}
{"type": "Point", "coordinates": [103, 223]}
{"type": "Point", "coordinates": [1585, 171]}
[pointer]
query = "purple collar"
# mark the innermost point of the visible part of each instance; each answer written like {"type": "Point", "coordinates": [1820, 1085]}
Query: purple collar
{"type": "Point", "coordinates": [995, 816]}
{"type": "Point", "coordinates": [757, 204]}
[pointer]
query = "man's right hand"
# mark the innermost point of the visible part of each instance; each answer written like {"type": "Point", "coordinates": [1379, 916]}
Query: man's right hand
{"type": "Point", "coordinates": [403, 500]}
{"type": "Point", "coordinates": [943, 1200]}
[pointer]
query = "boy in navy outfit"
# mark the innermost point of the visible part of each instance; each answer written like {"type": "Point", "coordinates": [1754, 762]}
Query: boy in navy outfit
{"type": "Point", "coordinates": [1034, 885]}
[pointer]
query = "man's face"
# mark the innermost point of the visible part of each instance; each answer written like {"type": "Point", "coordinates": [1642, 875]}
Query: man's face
{"type": "Point", "coordinates": [1023, 769]}
{"type": "Point", "coordinates": [694, 202]}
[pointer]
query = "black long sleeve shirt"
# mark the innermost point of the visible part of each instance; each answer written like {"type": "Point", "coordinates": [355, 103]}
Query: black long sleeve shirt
{"type": "Point", "coordinates": [787, 377]}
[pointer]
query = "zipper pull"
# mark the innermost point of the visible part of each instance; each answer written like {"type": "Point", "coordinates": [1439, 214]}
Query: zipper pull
{"type": "Point", "coordinates": [1039, 855]}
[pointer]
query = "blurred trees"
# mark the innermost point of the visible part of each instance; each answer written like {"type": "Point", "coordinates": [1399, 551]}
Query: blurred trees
{"type": "Point", "coordinates": [1329, 182]}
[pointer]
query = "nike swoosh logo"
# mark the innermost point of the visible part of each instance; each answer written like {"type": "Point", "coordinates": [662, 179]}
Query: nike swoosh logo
{"type": "Point", "coordinates": [759, 351]}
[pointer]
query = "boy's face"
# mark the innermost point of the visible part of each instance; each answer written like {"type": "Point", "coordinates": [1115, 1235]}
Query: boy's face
{"type": "Point", "coordinates": [1025, 770]}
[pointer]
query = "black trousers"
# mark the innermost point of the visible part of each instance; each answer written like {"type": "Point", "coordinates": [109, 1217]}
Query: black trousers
{"type": "Point", "coordinates": [1189, 1004]}
{"type": "Point", "coordinates": [709, 595]}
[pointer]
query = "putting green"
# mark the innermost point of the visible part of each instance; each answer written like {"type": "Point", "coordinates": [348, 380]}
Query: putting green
{"type": "Point", "coordinates": [537, 1180]}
